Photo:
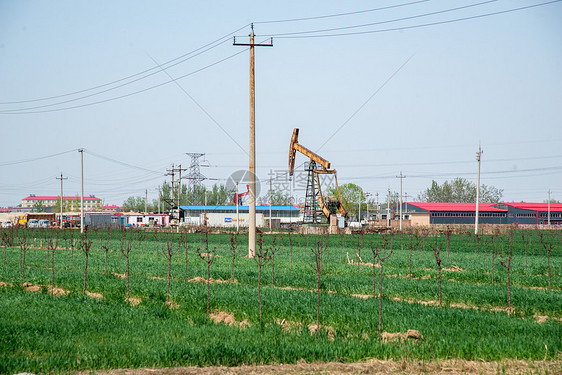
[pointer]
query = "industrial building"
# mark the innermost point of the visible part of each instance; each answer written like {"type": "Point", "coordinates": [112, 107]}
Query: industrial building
{"type": "Point", "coordinates": [429, 213]}
{"type": "Point", "coordinates": [216, 215]}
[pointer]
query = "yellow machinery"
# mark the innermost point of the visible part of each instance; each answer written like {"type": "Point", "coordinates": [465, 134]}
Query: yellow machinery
{"type": "Point", "coordinates": [314, 201]}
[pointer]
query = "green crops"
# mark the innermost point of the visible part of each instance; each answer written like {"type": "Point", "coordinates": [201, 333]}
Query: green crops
{"type": "Point", "coordinates": [43, 333]}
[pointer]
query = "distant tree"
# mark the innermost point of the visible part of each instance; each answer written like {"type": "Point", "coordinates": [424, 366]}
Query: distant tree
{"type": "Point", "coordinates": [136, 204]}
{"type": "Point", "coordinates": [351, 195]}
{"type": "Point", "coordinates": [551, 201]}
{"type": "Point", "coordinates": [38, 206]}
{"type": "Point", "coordinates": [56, 207]}
{"type": "Point", "coordinates": [76, 204]}
{"type": "Point", "coordinates": [218, 194]}
{"type": "Point", "coordinates": [459, 190]}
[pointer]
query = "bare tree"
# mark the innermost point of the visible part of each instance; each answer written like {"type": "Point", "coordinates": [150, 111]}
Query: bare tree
{"type": "Point", "coordinates": [505, 260]}
{"type": "Point", "coordinates": [126, 247]}
{"type": "Point", "coordinates": [274, 249]}
{"type": "Point", "coordinates": [359, 246]}
{"type": "Point", "coordinates": [291, 250]}
{"type": "Point", "coordinates": [85, 245]}
{"type": "Point", "coordinates": [319, 261]}
{"type": "Point", "coordinates": [233, 246]}
{"type": "Point", "coordinates": [261, 258]}
{"type": "Point", "coordinates": [23, 241]}
{"type": "Point", "coordinates": [383, 253]}
{"type": "Point", "coordinates": [208, 257]}
{"type": "Point", "coordinates": [106, 246]}
{"type": "Point", "coordinates": [8, 235]}
{"type": "Point", "coordinates": [52, 244]}
{"type": "Point", "coordinates": [413, 243]}
{"type": "Point", "coordinates": [436, 250]}
{"type": "Point", "coordinates": [495, 240]}
{"type": "Point", "coordinates": [548, 245]}
{"type": "Point", "coordinates": [424, 233]}
{"type": "Point", "coordinates": [448, 232]}
{"type": "Point", "coordinates": [72, 244]}
{"type": "Point", "coordinates": [184, 241]}
{"type": "Point", "coordinates": [168, 252]}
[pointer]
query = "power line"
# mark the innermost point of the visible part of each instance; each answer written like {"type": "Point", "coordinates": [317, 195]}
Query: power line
{"type": "Point", "coordinates": [386, 21]}
{"type": "Point", "coordinates": [198, 105]}
{"type": "Point", "coordinates": [35, 159]}
{"type": "Point", "coordinates": [414, 26]}
{"type": "Point", "coordinates": [341, 14]}
{"type": "Point", "coordinates": [365, 103]}
{"type": "Point", "coordinates": [121, 162]}
{"type": "Point", "coordinates": [25, 112]}
{"type": "Point", "coordinates": [222, 39]}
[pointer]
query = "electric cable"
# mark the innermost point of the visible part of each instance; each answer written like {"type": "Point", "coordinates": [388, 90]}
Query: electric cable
{"type": "Point", "coordinates": [407, 27]}
{"type": "Point", "coordinates": [136, 74]}
{"type": "Point", "coordinates": [385, 21]}
{"type": "Point", "coordinates": [341, 14]}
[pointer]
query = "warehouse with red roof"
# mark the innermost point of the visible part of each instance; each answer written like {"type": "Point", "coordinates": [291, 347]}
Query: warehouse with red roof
{"type": "Point", "coordinates": [429, 213]}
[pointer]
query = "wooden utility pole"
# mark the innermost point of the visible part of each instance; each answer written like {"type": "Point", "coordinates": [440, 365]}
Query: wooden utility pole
{"type": "Point", "coordinates": [401, 177]}
{"type": "Point", "coordinates": [252, 187]}
{"type": "Point", "coordinates": [61, 198]}
{"type": "Point", "coordinates": [477, 213]}
{"type": "Point", "coordinates": [81, 151]}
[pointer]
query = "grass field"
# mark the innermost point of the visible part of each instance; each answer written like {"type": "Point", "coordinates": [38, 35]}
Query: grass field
{"type": "Point", "coordinates": [41, 332]}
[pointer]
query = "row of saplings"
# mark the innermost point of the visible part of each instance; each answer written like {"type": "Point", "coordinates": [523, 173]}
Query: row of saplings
{"type": "Point", "coordinates": [381, 251]}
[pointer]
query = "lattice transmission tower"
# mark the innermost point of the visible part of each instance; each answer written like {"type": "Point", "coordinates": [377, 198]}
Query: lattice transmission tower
{"type": "Point", "coordinates": [195, 176]}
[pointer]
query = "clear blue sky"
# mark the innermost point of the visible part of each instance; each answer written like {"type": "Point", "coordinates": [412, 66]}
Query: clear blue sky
{"type": "Point", "coordinates": [494, 80]}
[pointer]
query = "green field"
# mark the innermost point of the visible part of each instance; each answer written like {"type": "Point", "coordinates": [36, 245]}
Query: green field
{"type": "Point", "coordinates": [41, 333]}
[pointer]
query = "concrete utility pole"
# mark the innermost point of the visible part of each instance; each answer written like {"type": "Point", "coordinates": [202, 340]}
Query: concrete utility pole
{"type": "Point", "coordinates": [388, 209]}
{"type": "Point", "coordinates": [237, 213]}
{"type": "Point", "coordinates": [270, 204]}
{"type": "Point", "coordinates": [401, 177]}
{"type": "Point", "coordinates": [81, 151]}
{"type": "Point", "coordinates": [378, 208]}
{"type": "Point", "coordinates": [549, 207]}
{"type": "Point", "coordinates": [61, 198]}
{"type": "Point", "coordinates": [252, 166]}
{"type": "Point", "coordinates": [159, 197]}
{"type": "Point", "coordinates": [367, 195]}
{"type": "Point", "coordinates": [179, 197]}
{"type": "Point", "coordinates": [359, 216]}
{"type": "Point", "coordinates": [477, 213]}
{"type": "Point", "coordinates": [145, 200]}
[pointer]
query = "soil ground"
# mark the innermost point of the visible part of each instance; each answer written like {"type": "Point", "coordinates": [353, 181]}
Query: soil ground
{"type": "Point", "coordinates": [369, 367]}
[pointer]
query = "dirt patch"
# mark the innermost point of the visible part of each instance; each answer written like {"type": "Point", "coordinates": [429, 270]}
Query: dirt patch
{"type": "Point", "coordinates": [58, 291]}
{"type": "Point", "coordinates": [31, 288]}
{"type": "Point", "coordinates": [172, 305]}
{"type": "Point", "coordinates": [291, 288]}
{"type": "Point", "coordinates": [373, 366]}
{"type": "Point", "coordinates": [119, 275]}
{"type": "Point", "coordinates": [362, 296]}
{"type": "Point", "coordinates": [426, 277]}
{"type": "Point", "coordinates": [454, 268]}
{"type": "Point", "coordinates": [400, 337]}
{"type": "Point", "coordinates": [157, 278]}
{"type": "Point", "coordinates": [97, 296]}
{"type": "Point", "coordinates": [200, 279]}
{"type": "Point", "coordinates": [313, 327]}
{"type": "Point", "coordinates": [227, 318]}
{"type": "Point", "coordinates": [4, 285]}
{"type": "Point", "coordinates": [133, 301]}
{"type": "Point", "coordinates": [287, 325]}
